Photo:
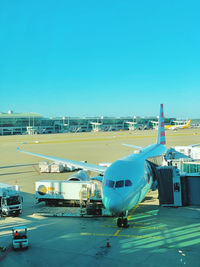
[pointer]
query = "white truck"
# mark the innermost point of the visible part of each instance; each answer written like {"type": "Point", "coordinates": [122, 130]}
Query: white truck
{"type": "Point", "coordinates": [56, 192]}
{"type": "Point", "coordinates": [10, 199]}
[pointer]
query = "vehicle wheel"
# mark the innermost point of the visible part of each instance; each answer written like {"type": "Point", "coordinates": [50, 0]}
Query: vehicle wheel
{"type": "Point", "coordinates": [98, 212]}
{"type": "Point", "coordinates": [119, 222]}
{"type": "Point", "coordinates": [125, 223]}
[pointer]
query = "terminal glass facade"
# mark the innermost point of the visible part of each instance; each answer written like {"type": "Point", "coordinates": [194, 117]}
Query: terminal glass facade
{"type": "Point", "coordinates": [34, 123]}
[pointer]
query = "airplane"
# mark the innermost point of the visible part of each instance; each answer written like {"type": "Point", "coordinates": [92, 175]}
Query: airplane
{"type": "Point", "coordinates": [155, 124]}
{"type": "Point", "coordinates": [126, 181]}
{"type": "Point", "coordinates": [132, 125]}
{"type": "Point", "coordinates": [178, 126]}
{"type": "Point", "coordinates": [96, 126]}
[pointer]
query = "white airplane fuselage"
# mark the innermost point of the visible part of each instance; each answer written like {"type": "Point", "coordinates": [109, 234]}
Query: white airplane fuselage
{"type": "Point", "coordinates": [127, 181]}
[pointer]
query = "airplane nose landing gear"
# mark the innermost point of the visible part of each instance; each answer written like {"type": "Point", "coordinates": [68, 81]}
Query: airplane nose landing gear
{"type": "Point", "coordinates": [122, 222]}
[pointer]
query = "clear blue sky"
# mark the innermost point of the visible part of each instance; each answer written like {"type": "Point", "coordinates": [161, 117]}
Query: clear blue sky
{"type": "Point", "coordinates": [108, 57]}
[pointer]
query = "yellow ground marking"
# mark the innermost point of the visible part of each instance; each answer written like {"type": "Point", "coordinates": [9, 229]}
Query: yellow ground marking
{"type": "Point", "coordinates": [146, 213]}
{"type": "Point", "coordinates": [67, 140]}
{"type": "Point", "coordinates": [95, 139]}
{"type": "Point", "coordinates": [133, 212]}
{"type": "Point", "coordinates": [140, 223]}
{"type": "Point", "coordinates": [143, 236]}
{"type": "Point", "coordinates": [136, 236]}
{"type": "Point", "coordinates": [119, 230]}
{"type": "Point", "coordinates": [137, 227]}
{"type": "Point", "coordinates": [150, 227]}
{"type": "Point", "coordinates": [93, 234]}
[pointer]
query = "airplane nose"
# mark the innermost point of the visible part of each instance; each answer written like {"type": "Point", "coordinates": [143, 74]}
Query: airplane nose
{"type": "Point", "coordinates": [114, 204]}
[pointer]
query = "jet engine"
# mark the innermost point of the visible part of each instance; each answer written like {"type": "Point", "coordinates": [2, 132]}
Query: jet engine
{"type": "Point", "coordinates": [79, 176]}
{"type": "Point", "coordinates": [97, 178]}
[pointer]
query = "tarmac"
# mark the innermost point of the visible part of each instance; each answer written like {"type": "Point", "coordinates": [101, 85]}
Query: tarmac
{"type": "Point", "coordinates": [157, 236]}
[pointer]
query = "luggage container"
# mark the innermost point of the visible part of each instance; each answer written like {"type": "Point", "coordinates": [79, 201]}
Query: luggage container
{"type": "Point", "coordinates": [69, 168]}
{"type": "Point", "coordinates": [57, 167]}
{"type": "Point", "coordinates": [44, 166]}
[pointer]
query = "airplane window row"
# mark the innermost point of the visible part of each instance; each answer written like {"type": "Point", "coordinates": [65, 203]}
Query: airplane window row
{"type": "Point", "coordinates": [120, 183]}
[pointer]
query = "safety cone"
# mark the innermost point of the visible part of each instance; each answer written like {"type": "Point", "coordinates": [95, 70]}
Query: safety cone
{"type": "Point", "coordinates": [108, 245]}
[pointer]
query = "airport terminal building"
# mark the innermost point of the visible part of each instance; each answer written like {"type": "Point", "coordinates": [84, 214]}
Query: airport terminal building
{"type": "Point", "coordinates": [27, 123]}
{"type": "Point", "coordinates": [33, 123]}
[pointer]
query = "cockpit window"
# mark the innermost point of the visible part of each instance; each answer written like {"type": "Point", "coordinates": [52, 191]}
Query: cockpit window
{"type": "Point", "coordinates": [128, 183]}
{"type": "Point", "coordinates": [119, 183]}
{"type": "Point", "coordinates": [109, 183]}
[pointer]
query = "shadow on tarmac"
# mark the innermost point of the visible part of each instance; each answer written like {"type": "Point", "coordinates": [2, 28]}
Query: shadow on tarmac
{"type": "Point", "coordinates": [18, 165]}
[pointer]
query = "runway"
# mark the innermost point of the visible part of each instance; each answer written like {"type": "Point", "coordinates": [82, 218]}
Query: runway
{"type": "Point", "coordinates": [157, 236]}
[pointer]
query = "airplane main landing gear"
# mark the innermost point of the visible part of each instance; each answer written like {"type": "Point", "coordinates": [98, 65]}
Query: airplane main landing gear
{"type": "Point", "coordinates": [122, 222]}
{"type": "Point", "coordinates": [119, 222]}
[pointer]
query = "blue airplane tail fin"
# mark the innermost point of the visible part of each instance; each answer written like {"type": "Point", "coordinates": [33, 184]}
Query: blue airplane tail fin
{"type": "Point", "coordinates": [161, 128]}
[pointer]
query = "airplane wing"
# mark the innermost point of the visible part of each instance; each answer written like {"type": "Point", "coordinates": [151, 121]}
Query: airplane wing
{"type": "Point", "coordinates": [195, 145]}
{"type": "Point", "coordinates": [77, 164]}
{"type": "Point", "coordinates": [174, 127]}
{"type": "Point", "coordinates": [133, 146]}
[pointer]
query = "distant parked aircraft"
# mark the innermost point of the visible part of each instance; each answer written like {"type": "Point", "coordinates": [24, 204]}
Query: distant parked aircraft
{"type": "Point", "coordinates": [178, 125]}
{"type": "Point", "coordinates": [131, 125]}
{"type": "Point", "coordinates": [96, 126]}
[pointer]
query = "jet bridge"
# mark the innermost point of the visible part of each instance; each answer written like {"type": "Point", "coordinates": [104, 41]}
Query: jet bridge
{"type": "Point", "coordinates": [169, 186]}
{"type": "Point", "coordinates": [177, 189]}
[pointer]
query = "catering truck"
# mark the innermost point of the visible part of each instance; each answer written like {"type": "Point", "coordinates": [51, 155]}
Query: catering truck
{"type": "Point", "coordinates": [10, 199]}
{"type": "Point", "coordinates": [64, 193]}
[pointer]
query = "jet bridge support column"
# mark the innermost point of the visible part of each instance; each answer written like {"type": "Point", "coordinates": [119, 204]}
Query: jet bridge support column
{"type": "Point", "coordinates": [169, 186]}
{"type": "Point", "coordinates": [177, 187]}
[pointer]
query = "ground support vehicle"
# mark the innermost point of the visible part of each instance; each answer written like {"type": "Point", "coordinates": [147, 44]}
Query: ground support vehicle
{"type": "Point", "coordinates": [19, 237]}
{"type": "Point", "coordinates": [10, 200]}
{"type": "Point", "coordinates": [64, 193]}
